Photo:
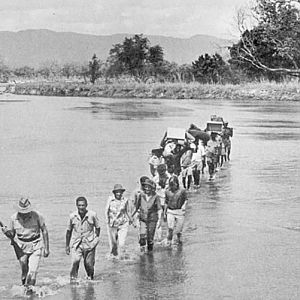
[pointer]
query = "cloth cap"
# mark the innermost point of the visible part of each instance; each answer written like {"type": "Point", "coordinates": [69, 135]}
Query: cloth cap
{"type": "Point", "coordinates": [143, 179]}
{"type": "Point", "coordinates": [150, 183]}
{"type": "Point", "coordinates": [118, 187]}
{"type": "Point", "coordinates": [24, 206]}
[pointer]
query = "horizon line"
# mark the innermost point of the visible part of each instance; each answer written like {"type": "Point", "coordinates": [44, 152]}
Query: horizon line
{"type": "Point", "coordinates": [112, 34]}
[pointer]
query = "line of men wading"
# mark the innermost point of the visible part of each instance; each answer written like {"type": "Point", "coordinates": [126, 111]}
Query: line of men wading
{"type": "Point", "coordinates": [156, 200]}
{"type": "Point", "coordinates": [28, 233]}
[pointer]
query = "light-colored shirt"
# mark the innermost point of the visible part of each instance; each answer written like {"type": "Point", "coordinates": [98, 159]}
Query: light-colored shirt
{"type": "Point", "coordinates": [28, 231]}
{"type": "Point", "coordinates": [117, 211]}
{"type": "Point", "coordinates": [83, 230]}
{"type": "Point", "coordinates": [211, 148]}
{"type": "Point", "coordinates": [162, 183]}
{"type": "Point", "coordinates": [198, 156]}
{"type": "Point", "coordinates": [186, 158]}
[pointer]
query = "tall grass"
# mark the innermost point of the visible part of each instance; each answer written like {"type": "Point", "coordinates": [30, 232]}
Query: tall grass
{"type": "Point", "coordinates": [289, 90]}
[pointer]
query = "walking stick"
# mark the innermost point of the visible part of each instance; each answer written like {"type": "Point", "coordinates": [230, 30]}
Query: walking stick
{"type": "Point", "coordinates": [17, 249]}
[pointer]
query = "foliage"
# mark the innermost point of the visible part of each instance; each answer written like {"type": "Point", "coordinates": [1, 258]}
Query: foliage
{"type": "Point", "coordinates": [135, 57]}
{"type": "Point", "coordinates": [94, 69]}
{"type": "Point", "coordinates": [49, 69]}
{"type": "Point", "coordinates": [211, 69]}
{"type": "Point", "coordinates": [272, 47]}
{"type": "Point", "coordinates": [4, 71]}
{"type": "Point", "coordinates": [25, 71]}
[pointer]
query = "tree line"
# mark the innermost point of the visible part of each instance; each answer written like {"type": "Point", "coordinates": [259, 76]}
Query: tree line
{"type": "Point", "coordinates": [269, 50]}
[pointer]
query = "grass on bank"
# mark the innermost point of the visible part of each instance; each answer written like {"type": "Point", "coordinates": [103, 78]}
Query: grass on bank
{"type": "Point", "coordinates": [289, 90]}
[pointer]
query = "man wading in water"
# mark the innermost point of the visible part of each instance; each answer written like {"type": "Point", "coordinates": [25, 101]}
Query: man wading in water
{"type": "Point", "coordinates": [174, 211]}
{"type": "Point", "coordinates": [29, 237]}
{"type": "Point", "coordinates": [148, 206]}
{"type": "Point", "coordinates": [84, 226]}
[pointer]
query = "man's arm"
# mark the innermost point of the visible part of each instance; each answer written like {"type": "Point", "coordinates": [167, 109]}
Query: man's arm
{"type": "Point", "coordinates": [68, 238]}
{"type": "Point", "coordinates": [165, 206]}
{"type": "Point", "coordinates": [9, 233]}
{"type": "Point", "coordinates": [97, 225]}
{"type": "Point", "coordinates": [183, 199]}
{"type": "Point", "coordinates": [46, 240]}
{"type": "Point", "coordinates": [128, 209]}
{"type": "Point", "coordinates": [97, 232]}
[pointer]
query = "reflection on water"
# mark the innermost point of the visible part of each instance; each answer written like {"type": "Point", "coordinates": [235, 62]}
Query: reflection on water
{"type": "Point", "coordinates": [241, 238]}
{"type": "Point", "coordinates": [129, 110]}
{"type": "Point", "coordinates": [83, 292]}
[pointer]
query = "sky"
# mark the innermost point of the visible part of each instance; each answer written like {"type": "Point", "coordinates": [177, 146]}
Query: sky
{"type": "Point", "coordinates": [177, 18]}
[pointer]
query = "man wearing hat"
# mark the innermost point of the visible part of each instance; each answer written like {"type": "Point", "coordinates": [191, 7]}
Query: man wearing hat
{"type": "Point", "coordinates": [118, 218]}
{"type": "Point", "coordinates": [84, 229]}
{"type": "Point", "coordinates": [28, 233]}
{"type": "Point", "coordinates": [149, 207]}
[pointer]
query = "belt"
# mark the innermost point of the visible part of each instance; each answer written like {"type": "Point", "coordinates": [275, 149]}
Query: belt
{"type": "Point", "coordinates": [29, 239]}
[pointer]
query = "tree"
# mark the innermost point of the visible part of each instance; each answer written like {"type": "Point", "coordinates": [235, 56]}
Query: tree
{"type": "Point", "coordinates": [211, 69]}
{"type": "Point", "coordinates": [94, 69]}
{"type": "Point", "coordinates": [49, 69]}
{"type": "Point", "coordinates": [156, 55]}
{"type": "Point", "coordinates": [24, 71]}
{"type": "Point", "coordinates": [186, 73]}
{"type": "Point", "coordinates": [69, 69]}
{"type": "Point", "coordinates": [4, 71]}
{"type": "Point", "coordinates": [135, 57]}
{"type": "Point", "coordinates": [272, 47]}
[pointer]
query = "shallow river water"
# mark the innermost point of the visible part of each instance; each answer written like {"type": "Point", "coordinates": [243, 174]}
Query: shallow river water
{"type": "Point", "coordinates": [242, 231]}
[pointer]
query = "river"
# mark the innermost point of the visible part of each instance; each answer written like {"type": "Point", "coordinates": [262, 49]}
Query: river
{"type": "Point", "coordinates": [242, 231]}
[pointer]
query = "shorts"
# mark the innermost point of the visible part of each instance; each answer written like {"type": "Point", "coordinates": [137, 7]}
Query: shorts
{"type": "Point", "coordinates": [187, 171]}
{"type": "Point", "coordinates": [175, 221]}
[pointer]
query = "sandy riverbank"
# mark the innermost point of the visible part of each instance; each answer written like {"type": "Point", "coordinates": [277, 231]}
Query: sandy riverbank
{"type": "Point", "coordinates": [258, 91]}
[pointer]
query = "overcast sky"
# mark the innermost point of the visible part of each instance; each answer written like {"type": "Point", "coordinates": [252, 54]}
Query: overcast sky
{"type": "Point", "coordinates": [178, 18]}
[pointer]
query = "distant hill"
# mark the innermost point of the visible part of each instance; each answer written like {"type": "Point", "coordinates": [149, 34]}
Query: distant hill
{"type": "Point", "coordinates": [33, 47]}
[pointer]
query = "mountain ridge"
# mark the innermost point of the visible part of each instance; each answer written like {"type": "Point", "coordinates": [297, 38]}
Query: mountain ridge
{"type": "Point", "coordinates": [33, 47]}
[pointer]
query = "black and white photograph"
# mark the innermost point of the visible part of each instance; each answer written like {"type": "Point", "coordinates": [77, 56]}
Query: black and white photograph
{"type": "Point", "coordinates": [149, 149]}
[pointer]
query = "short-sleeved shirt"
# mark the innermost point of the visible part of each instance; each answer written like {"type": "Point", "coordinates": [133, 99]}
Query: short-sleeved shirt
{"type": "Point", "coordinates": [198, 156]}
{"type": "Point", "coordinates": [211, 149]}
{"type": "Point", "coordinates": [28, 231]}
{"type": "Point", "coordinates": [148, 207]}
{"type": "Point", "coordinates": [83, 230]}
{"type": "Point", "coordinates": [162, 183]}
{"type": "Point", "coordinates": [175, 200]}
{"type": "Point", "coordinates": [116, 211]}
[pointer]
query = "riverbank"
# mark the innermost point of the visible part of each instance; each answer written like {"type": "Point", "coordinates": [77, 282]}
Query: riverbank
{"type": "Point", "coordinates": [257, 91]}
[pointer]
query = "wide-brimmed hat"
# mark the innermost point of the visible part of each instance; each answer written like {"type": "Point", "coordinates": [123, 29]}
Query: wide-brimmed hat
{"type": "Point", "coordinates": [24, 206]}
{"type": "Point", "coordinates": [143, 179]}
{"type": "Point", "coordinates": [150, 183]}
{"type": "Point", "coordinates": [118, 187]}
